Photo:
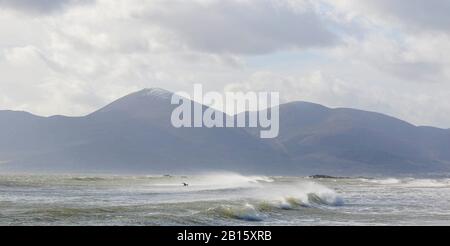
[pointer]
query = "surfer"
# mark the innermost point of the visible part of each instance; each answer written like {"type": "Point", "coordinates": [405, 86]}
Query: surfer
{"type": "Point", "coordinates": [185, 184]}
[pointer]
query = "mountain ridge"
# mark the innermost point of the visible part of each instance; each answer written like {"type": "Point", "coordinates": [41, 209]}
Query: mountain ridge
{"type": "Point", "coordinates": [134, 134]}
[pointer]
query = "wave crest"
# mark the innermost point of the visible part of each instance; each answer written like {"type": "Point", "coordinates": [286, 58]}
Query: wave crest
{"type": "Point", "coordinates": [247, 212]}
{"type": "Point", "coordinates": [410, 182]}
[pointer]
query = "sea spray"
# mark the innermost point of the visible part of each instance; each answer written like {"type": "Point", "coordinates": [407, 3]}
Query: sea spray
{"type": "Point", "coordinates": [246, 212]}
{"type": "Point", "coordinates": [220, 199]}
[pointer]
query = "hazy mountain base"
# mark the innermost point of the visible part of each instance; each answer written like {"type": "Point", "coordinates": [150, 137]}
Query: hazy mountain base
{"type": "Point", "coordinates": [134, 135]}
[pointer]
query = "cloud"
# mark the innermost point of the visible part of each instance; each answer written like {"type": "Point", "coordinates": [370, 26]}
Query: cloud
{"type": "Point", "coordinates": [243, 27]}
{"type": "Point", "coordinates": [407, 39]}
{"type": "Point", "coordinates": [421, 104]}
{"type": "Point", "coordinates": [414, 15]}
{"type": "Point", "coordinates": [72, 60]}
{"type": "Point", "coordinates": [40, 6]}
{"type": "Point", "coordinates": [75, 62]}
{"type": "Point", "coordinates": [418, 14]}
{"type": "Point", "coordinates": [419, 58]}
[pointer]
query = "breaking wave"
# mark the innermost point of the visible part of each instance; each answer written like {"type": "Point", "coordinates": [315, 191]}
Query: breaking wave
{"type": "Point", "coordinates": [88, 179]}
{"type": "Point", "coordinates": [427, 183]}
{"type": "Point", "coordinates": [268, 198]}
{"type": "Point", "coordinates": [386, 181]}
{"type": "Point", "coordinates": [247, 212]}
{"type": "Point", "coordinates": [211, 181]}
{"type": "Point", "coordinates": [229, 180]}
{"type": "Point", "coordinates": [410, 182]}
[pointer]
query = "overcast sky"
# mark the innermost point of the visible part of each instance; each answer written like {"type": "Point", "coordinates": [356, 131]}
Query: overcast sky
{"type": "Point", "coordinates": [73, 56]}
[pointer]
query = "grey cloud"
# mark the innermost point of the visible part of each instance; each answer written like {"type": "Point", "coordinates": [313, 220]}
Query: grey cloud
{"type": "Point", "coordinates": [243, 27]}
{"type": "Point", "coordinates": [40, 6]}
{"type": "Point", "coordinates": [418, 71]}
{"type": "Point", "coordinates": [415, 14]}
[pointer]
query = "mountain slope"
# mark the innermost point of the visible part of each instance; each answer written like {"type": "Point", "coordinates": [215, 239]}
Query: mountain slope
{"type": "Point", "coordinates": [347, 141]}
{"type": "Point", "coordinates": [134, 135]}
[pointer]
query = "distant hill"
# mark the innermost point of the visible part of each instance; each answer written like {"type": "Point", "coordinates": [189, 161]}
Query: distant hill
{"type": "Point", "coordinates": [346, 141]}
{"type": "Point", "coordinates": [134, 135]}
{"type": "Point", "coordinates": [131, 135]}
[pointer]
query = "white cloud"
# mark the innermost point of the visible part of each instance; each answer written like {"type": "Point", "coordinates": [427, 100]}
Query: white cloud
{"type": "Point", "coordinates": [422, 104]}
{"type": "Point", "coordinates": [419, 58]}
{"type": "Point", "coordinates": [71, 58]}
{"type": "Point", "coordinates": [243, 27]}
{"type": "Point", "coordinates": [86, 57]}
{"type": "Point", "coordinates": [407, 39]}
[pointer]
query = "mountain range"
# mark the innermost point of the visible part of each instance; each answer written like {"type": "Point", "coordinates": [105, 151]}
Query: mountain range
{"type": "Point", "coordinates": [134, 135]}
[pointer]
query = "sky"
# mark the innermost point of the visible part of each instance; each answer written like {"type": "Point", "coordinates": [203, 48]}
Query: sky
{"type": "Point", "coordinates": [72, 57]}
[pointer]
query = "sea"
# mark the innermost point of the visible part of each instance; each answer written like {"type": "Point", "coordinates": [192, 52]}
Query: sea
{"type": "Point", "coordinates": [221, 199]}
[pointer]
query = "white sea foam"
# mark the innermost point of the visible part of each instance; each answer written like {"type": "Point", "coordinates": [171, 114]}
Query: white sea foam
{"type": "Point", "coordinates": [262, 188]}
{"type": "Point", "coordinates": [269, 197]}
{"type": "Point", "coordinates": [221, 199]}
{"type": "Point", "coordinates": [410, 182]}
{"type": "Point", "coordinates": [306, 194]}
{"type": "Point", "coordinates": [226, 180]}
{"type": "Point", "coordinates": [386, 181]}
{"type": "Point", "coordinates": [246, 212]}
{"type": "Point", "coordinates": [427, 183]}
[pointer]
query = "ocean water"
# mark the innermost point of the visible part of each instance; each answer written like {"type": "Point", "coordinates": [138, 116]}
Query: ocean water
{"type": "Point", "coordinates": [221, 199]}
